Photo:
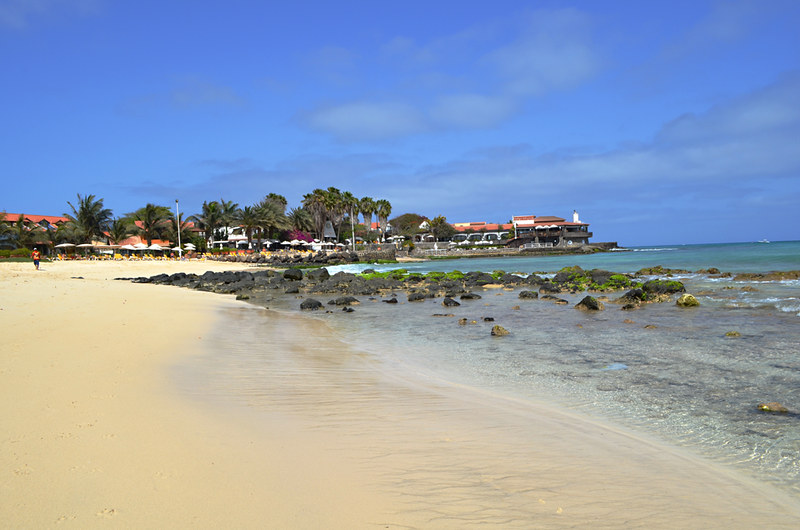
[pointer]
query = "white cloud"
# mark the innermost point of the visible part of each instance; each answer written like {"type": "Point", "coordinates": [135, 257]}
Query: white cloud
{"type": "Point", "coordinates": [471, 111]}
{"type": "Point", "coordinates": [363, 120]}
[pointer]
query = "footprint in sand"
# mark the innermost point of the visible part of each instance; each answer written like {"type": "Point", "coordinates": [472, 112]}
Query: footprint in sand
{"type": "Point", "coordinates": [107, 513]}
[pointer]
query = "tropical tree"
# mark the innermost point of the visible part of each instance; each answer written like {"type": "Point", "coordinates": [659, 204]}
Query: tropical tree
{"type": "Point", "coordinates": [229, 211]}
{"type": "Point", "coordinates": [171, 231]}
{"type": "Point", "coordinates": [89, 219]}
{"type": "Point", "coordinates": [271, 216]}
{"type": "Point", "coordinates": [367, 207]}
{"type": "Point", "coordinates": [350, 204]}
{"type": "Point", "coordinates": [209, 220]}
{"type": "Point", "coordinates": [314, 203]}
{"type": "Point", "coordinates": [120, 229]}
{"type": "Point", "coordinates": [299, 219]}
{"type": "Point", "coordinates": [152, 221]}
{"type": "Point", "coordinates": [279, 201]}
{"type": "Point", "coordinates": [384, 209]}
{"type": "Point", "coordinates": [440, 228]}
{"type": "Point", "coordinates": [250, 220]}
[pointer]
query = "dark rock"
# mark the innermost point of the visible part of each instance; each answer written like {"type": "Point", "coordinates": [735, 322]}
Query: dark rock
{"type": "Point", "coordinates": [292, 289]}
{"type": "Point", "coordinates": [478, 278]}
{"type": "Point", "coordinates": [348, 309]}
{"type": "Point", "coordinates": [470, 296]}
{"type": "Point", "coordinates": [310, 304]}
{"type": "Point", "coordinates": [589, 303]}
{"type": "Point", "coordinates": [416, 297]}
{"type": "Point", "coordinates": [344, 300]}
{"type": "Point", "coordinates": [317, 275]}
{"type": "Point", "coordinates": [600, 276]}
{"type": "Point", "coordinates": [293, 274]}
{"type": "Point", "coordinates": [243, 297]}
{"type": "Point", "coordinates": [663, 287]}
{"type": "Point", "coordinates": [549, 287]}
{"type": "Point", "coordinates": [463, 321]}
{"type": "Point", "coordinates": [443, 315]}
{"type": "Point", "coordinates": [390, 301]}
{"type": "Point", "coordinates": [488, 319]}
{"type": "Point", "coordinates": [511, 279]}
{"type": "Point", "coordinates": [530, 295]}
{"type": "Point", "coordinates": [449, 302]}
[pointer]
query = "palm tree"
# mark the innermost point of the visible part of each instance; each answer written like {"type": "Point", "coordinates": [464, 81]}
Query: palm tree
{"type": "Point", "coordinates": [314, 204]}
{"type": "Point", "coordinates": [208, 220]}
{"type": "Point", "coordinates": [250, 221]}
{"type": "Point", "coordinates": [119, 230]}
{"type": "Point", "coordinates": [384, 210]}
{"type": "Point", "coordinates": [350, 204]}
{"type": "Point", "coordinates": [279, 200]}
{"type": "Point", "coordinates": [171, 231]}
{"type": "Point", "coordinates": [440, 228]}
{"type": "Point", "coordinates": [367, 207]}
{"type": "Point", "coordinates": [271, 216]}
{"type": "Point", "coordinates": [229, 211]}
{"type": "Point", "coordinates": [153, 221]}
{"type": "Point", "coordinates": [89, 219]}
{"type": "Point", "coordinates": [300, 219]}
{"type": "Point", "coordinates": [334, 207]}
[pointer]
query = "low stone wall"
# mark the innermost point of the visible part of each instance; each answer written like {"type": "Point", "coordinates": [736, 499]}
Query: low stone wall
{"type": "Point", "coordinates": [382, 253]}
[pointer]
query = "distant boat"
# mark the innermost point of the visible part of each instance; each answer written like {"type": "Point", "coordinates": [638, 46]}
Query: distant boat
{"type": "Point", "coordinates": [764, 241]}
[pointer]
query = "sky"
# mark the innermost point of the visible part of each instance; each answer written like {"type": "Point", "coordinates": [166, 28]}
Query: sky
{"type": "Point", "coordinates": [660, 122]}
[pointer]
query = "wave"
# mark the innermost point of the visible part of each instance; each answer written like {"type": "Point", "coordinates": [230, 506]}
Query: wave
{"type": "Point", "coordinates": [653, 249]}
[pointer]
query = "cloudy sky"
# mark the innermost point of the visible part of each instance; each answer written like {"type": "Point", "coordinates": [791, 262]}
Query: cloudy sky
{"type": "Point", "coordinates": [661, 122]}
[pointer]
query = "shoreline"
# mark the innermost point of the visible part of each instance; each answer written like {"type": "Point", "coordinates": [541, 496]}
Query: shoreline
{"type": "Point", "coordinates": [96, 428]}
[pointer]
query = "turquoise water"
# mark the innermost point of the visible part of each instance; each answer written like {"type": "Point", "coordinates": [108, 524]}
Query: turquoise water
{"type": "Point", "coordinates": [728, 257]}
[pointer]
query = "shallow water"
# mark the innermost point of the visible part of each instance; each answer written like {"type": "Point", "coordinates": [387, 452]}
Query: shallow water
{"type": "Point", "coordinates": [671, 374]}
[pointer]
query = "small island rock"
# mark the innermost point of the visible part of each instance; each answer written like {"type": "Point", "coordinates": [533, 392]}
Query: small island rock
{"type": "Point", "coordinates": [499, 331]}
{"type": "Point", "coordinates": [687, 300]}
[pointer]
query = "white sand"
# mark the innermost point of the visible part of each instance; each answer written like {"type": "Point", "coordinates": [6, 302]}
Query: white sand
{"type": "Point", "coordinates": [95, 433]}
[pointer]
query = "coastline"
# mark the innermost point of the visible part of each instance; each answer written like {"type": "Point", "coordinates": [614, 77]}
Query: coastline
{"type": "Point", "coordinates": [96, 429]}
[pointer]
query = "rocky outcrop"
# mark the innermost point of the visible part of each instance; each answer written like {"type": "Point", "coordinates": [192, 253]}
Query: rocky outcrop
{"type": "Point", "coordinates": [528, 295]}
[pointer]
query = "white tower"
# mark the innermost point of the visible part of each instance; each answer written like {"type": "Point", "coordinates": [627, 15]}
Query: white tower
{"type": "Point", "coordinates": [575, 218]}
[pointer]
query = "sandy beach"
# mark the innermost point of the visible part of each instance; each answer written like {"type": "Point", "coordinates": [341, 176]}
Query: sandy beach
{"type": "Point", "coordinates": [96, 432]}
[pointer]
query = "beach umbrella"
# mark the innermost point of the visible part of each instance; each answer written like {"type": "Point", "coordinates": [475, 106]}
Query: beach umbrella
{"type": "Point", "coordinates": [139, 246]}
{"type": "Point", "coordinates": [286, 242]}
{"type": "Point", "coordinates": [65, 245]}
{"type": "Point", "coordinates": [189, 246]}
{"type": "Point", "coordinates": [176, 249]}
{"type": "Point", "coordinates": [84, 245]}
{"type": "Point", "coordinates": [155, 246]}
{"type": "Point", "coordinates": [295, 242]}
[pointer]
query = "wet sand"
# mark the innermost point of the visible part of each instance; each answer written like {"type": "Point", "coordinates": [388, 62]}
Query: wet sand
{"type": "Point", "coordinates": [127, 405]}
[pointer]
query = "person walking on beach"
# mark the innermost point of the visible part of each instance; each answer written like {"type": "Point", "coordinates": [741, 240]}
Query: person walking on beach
{"type": "Point", "coordinates": [35, 256]}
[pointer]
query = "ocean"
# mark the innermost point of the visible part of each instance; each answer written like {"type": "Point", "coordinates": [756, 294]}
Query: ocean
{"type": "Point", "coordinates": [673, 374]}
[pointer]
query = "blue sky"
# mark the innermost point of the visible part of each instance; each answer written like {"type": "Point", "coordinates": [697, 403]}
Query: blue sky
{"type": "Point", "coordinates": [660, 122]}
